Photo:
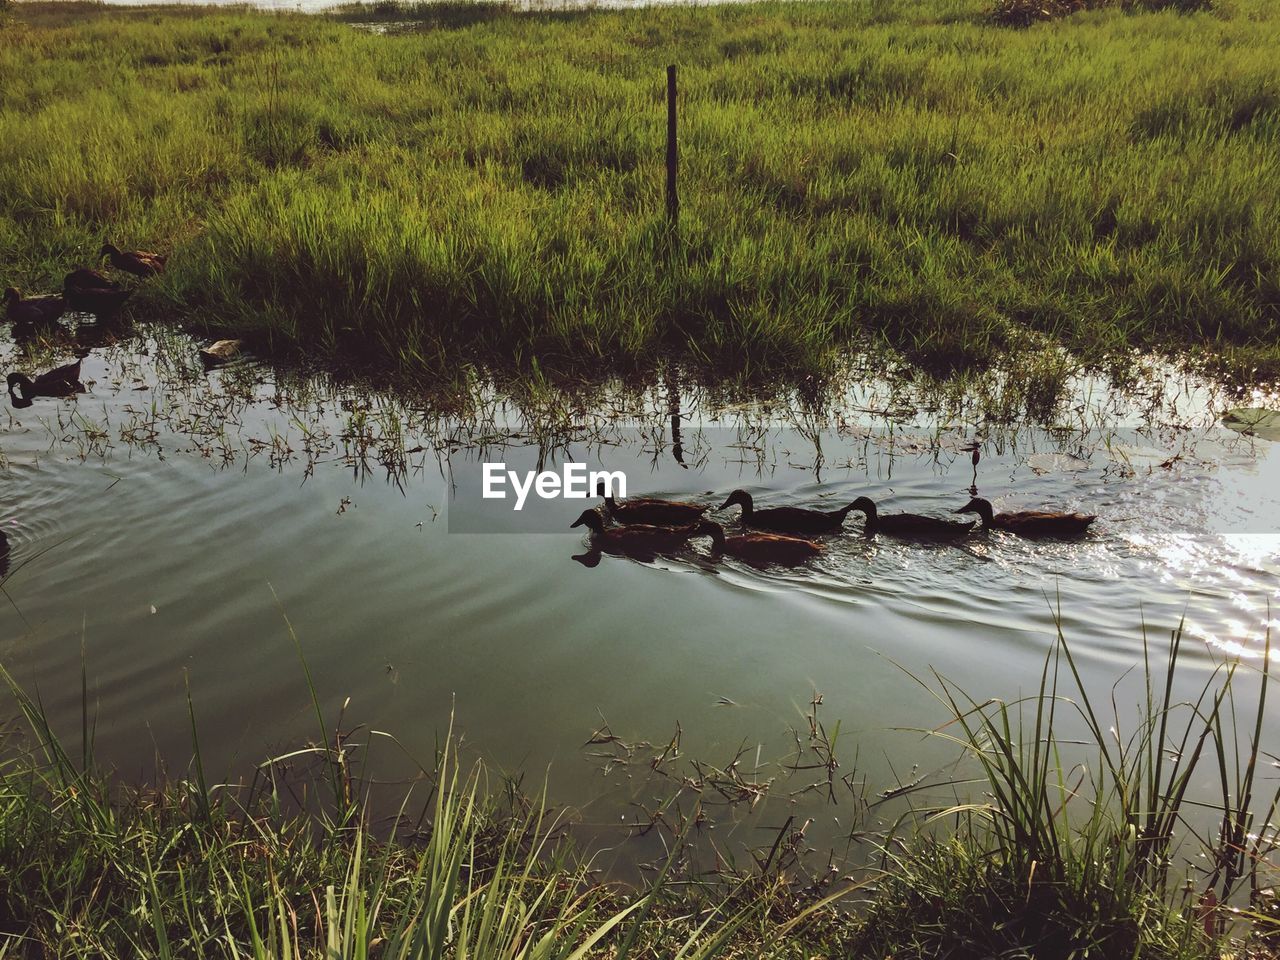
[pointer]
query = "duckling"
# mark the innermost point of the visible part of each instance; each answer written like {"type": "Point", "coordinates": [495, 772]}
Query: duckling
{"type": "Point", "coordinates": [30, 310]}
{"type": "Point", "coordinates": [1030, 523]}
{"type": "Point", "coordinates": [641, 541]}
{"type": "Point", "coordinates": [760, 549]}
{"type": "Point", "coordinates": [910, 525]}
{"type": "Point", "coordinates": [787, 519]}
{"type": "Point", "coordinates": [90, 291]}
{"type": "Point", "coordinates": [138, 262]}
{"type": "Point", "coordinates": [650, 510]}
{"type": "Point", "coordinates": [62, 381]}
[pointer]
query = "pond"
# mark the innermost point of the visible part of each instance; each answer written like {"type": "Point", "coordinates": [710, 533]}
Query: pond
{"type": "Point", "coordinates": [173, 524]}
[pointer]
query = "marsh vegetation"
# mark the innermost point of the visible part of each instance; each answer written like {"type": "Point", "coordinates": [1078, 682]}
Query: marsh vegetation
{"type": "Point", "coordinates": [488, 183]}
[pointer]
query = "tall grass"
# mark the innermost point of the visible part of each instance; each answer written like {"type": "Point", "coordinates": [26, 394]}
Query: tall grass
{"type": "Point", "coordinates": [895, 173]}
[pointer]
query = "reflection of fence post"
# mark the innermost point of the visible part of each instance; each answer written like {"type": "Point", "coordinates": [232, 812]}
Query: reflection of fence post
{"type": "Point", "coordinates": [673, 198]}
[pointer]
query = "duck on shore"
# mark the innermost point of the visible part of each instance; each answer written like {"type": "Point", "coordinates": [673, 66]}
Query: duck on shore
{"type": "Point", "coordinates": [45, 308]}
{"type": "Point", "coordinates": [141, 263]}
{"type": "Point", "coordinates": [787, 519]}
{"type": "Point", "coordinates": [62, 381]}
{"type": "Point", "coordinates": [641, 541]}
{"type": "Point", "coordinates": [1030, 523]}
{"type": "Point", "coordinates": [650, 510]}
{"type": "Point", "coordinates": [909, 525]}
{"type": "Point", "coordinates": [92, 292]}
{"type": "Point", "coordinates": [760, 549]}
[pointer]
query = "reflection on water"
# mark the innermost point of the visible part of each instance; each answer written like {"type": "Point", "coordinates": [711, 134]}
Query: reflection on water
{"type": "Point", "coordinates": [167, 519]}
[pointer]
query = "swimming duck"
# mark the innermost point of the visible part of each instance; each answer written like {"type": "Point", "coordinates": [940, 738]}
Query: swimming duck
{"type": "Point", "coordinates": [138, 262]}
{"type": "Point", "coordinates": [760, 549]}
{"type": "Point", "coordinates": [4, 555]}
{"type": "Point", "coordinates": [911, 525]}
{"type": "Point", "coordinates": [60, 382]}
{"type": "Point", "coordinates": [42, 309]}
{"type": "Point", "coordinates": [787, 519]}
{"type": "Point", "coordinates": [220, 351]}
{"type": "Point", "coordinates": [1030, 523]}
{"type": "Point", "coordinates": [650, 510]}
{"type": "Point", "coordinates": [642, 541]}
{"type": "Point", "coordinates": [90, 291]}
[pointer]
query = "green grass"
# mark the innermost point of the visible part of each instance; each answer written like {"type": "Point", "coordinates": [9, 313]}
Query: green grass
{"type": "Point", "coordinates": [1070, 834]}
{"type": "Point", "coordinates": [868, 173]}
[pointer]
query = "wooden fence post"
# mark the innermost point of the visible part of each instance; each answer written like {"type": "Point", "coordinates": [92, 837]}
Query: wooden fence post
{"type": "Point", "coordinates": [673, 197]}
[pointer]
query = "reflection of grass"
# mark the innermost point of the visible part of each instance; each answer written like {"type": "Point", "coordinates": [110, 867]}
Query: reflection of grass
{"type": "Point", "coordinates": [894, 172]}
{"type": "Point", "coordinates": [1065, 847]}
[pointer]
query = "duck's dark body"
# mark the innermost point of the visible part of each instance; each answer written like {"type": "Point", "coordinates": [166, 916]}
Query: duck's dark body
{"type": "Point", "coordinates": [60, 382]}
{"type": "Point", "coordinates": [140, 263]}
{"type": "Point", "coordinates": [1030, 523]}
{"type": "Point", "coordinates": [84, 277]}
{"type": "Point", "coordinates": [761, 549]}
{"type": "Point", "coordinates": [635, 540]}
{"type": "Point", "coordinates": [30, 310]}
{"type": "Point", "coordinates": [90, 291]}
{"type": "Point", "coordinates": [652, 511]}
{"type": "Point", "coordinates": [912, 526]}
{"type": "Point", "coordinates": [787, 519]}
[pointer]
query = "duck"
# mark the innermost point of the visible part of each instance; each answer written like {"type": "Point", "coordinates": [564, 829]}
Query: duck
{"type": "Point", "coordinates": [220, 351]}
{"type": "Point", "coordinates": [29, 310]}
{"type": "Point", "coordinates": [911, 525]}
{"type": "Point", "coordinates": [1030, 523]}
{"type": "Point", "coordinates": [642, 541]}
{"type": "Point", "coordinates": [140, 263]}
{"type": "Point", "coordinates": [787, 519]}
{"type": "Point", "coordinates": [4, 555]}
{"type": "Point", "coordinates": [650, 510]}
{"type": "Point", "coordinates": [62, 381]}
{"type": "Point", "coordinates": [760, 549]}
{"type": "Point", "coordinates": [90, 291]}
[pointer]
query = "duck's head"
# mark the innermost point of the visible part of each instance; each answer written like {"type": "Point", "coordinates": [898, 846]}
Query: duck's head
{"type": "Point", "coordinates": [591, 520]}
{"type": "Point", "coordinates": [107, 249]}
{"type": "Point", "coordinates": [709, 528]}
{"type": "Point", "coordinates": [739, 497]}
{"type": "Point", "coordinates": [11, 295]}
{"type": "Point", "coordinates": [864, 505]}
{"type": "Point", "coordinates": [979, 506]}
{"type": "Point", "coordinates": [603, 490]}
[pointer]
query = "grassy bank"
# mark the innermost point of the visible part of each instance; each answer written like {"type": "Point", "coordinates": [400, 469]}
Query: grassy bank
{"type": "Point", "coordinates": [1054, 848]}
{"type": "Point", "coordinates": [884, 172]}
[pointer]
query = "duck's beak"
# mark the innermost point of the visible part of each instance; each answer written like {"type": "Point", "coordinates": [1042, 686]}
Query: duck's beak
{"type": "Point", "coordinates": [576, 523]}
{"type": "Point", "coordinates": [961, 510]}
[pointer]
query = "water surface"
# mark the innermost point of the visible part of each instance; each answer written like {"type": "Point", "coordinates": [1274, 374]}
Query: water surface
{"type": "Point", "coordinates": [175, 523]}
